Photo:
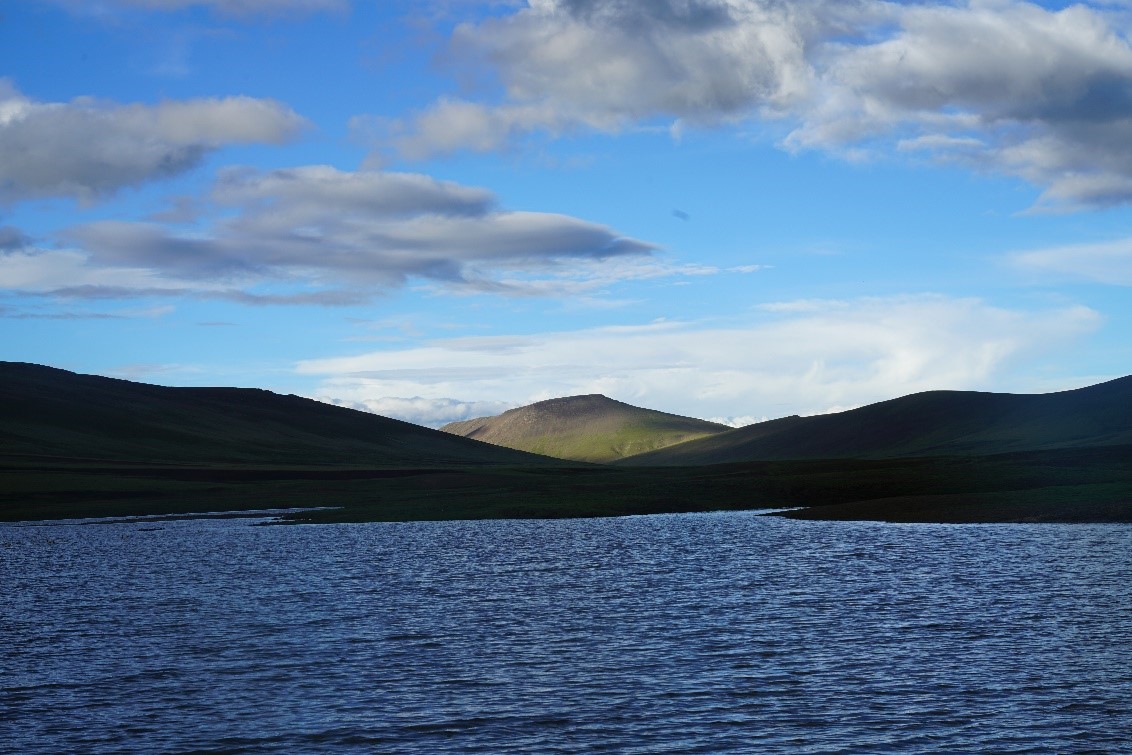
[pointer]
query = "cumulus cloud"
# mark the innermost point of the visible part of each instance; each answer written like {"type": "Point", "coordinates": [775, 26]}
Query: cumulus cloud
{"type": "Point", "coordinates": [89, 148]}
{"type": "Point", "coordinates": [1106, 262]}
{"type": "Point", "coordinates": [1045, 95]}
{"type": "Point", "coordinates": [1005, 85]}
{"type": "Point", "coordinates": [787, 360]}
{"type": "Point", "coordinates": [607, 64]}
{"type": "Point", "coordinates": [434, 412]}
{"type": "Point", "coordinates": [319, 235]}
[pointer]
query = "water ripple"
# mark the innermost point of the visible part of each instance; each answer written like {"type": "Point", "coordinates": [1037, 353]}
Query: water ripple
{"type": "Point", "coordinates": [683, 633]}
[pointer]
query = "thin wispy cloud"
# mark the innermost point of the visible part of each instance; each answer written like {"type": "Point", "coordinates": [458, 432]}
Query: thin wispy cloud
{"type": "Point", "coordinates": [1108, 262]}
{"type": "Point", "coordinates": [801, 359]}
{"type": "Point", "coordinates": [152, 312]}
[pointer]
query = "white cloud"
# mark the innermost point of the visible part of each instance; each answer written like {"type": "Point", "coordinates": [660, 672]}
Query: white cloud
{"type": "Point", "coordinates": [1106, 262]}
{"type": "Point", "coordinates": [309, 192]}
{"type": "Point", "coordinates": [1011, 86]}
{"type": "Point", "coordinates": [1000, 85]}
{"type": "Point", "coordinates": [566, 64]}
{"type": "Point", "coordinates": [423, 411]}
{"type": "Point", "coordinates": [35, 270]}
{"type": "Point", "coordinates": [786, 361]}
{"type": "Point", "coordinates": [89, 148]}
{"type": "Point", "coordinates": [319, 235]}
{"type": "Point", "coordinates": [587, 281]}
{"type": "Point", "coordinates": [38, 314]}
{"type": "Point", "coordinates": [741, 421]}
{"type": "Point", "coordinates": [450, 125]}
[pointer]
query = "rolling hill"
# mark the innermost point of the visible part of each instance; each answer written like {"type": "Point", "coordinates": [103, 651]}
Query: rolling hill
{"type": "Point", "coordinates": [934, 423]}
{"type": "Point", "coordinates": [51, 413]}
{"type": "Point", "coordinates": [591, 428]}
{"type": "Point", "coordinates": [83, 446]}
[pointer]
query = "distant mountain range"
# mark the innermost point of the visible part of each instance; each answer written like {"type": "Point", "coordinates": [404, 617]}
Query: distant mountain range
{"type": "Point", "coordinates": [591, 428]}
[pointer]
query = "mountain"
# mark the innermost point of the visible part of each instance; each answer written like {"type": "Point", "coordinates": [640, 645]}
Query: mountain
{"type": "Point", "coordinates": [934, 423]}
{"type": "Point", "coordinates": [48, 412]}
{"type": "Point", "coordinates": [590, 428]}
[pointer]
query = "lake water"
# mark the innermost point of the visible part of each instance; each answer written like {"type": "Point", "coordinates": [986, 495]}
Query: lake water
{"type": "Point", "coordinates": [684, 633]}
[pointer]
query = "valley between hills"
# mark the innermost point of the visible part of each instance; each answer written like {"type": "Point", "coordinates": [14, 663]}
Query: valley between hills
{"type": "Point", "coordinates": [76, 446]}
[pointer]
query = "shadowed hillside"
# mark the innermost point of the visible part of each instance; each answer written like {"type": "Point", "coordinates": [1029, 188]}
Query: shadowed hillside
{"type": "Point", "coordinates": [83, 446]}
{"type": "Point", "coordinates": [934, 423]}
{"type": "Point", "coordinates": [589, 428]}
{"type": "Point", "coordinates": [47, 412]}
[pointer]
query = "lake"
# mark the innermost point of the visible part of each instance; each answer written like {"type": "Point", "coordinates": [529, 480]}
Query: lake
{"type": "Point", "coordinates": [704, 633]}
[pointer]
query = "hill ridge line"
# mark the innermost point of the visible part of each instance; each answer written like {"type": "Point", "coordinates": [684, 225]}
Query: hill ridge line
{"type": "Point", "coordinates": [587, 427]}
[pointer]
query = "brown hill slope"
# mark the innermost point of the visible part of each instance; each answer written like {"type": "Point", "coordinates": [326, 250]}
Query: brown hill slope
{"type": "Point", "coordinates": [591, 428]}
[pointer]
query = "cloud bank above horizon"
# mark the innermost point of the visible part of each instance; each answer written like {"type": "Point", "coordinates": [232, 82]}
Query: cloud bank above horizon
{"type": "Point", "coordinates": [799, 357]}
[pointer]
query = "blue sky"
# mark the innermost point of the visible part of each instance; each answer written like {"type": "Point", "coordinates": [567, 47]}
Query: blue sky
{"type": "Point", "coordinates": [730, 209]}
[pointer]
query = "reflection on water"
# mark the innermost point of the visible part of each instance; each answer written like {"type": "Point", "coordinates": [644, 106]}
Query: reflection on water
{"type": "Point", "coordinates": [681, 633]}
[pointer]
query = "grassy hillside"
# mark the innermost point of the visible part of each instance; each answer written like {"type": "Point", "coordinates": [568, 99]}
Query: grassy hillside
{"type": "Point", "coordinates": [931, 423]}
{"type": "Point", "coordinates": [82, 446]}
{"type": "Point", "coordinates": [51, 413]}
{"type": "Point", "coordinates": [589, 428]}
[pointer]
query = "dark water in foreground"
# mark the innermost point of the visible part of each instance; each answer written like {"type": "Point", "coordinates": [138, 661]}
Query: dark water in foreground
{"type": "Point", "coordinates": [684, 633]}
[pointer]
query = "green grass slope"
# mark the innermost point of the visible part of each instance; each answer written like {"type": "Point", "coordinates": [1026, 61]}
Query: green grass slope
{"type": "Point", "coordinates": [932, 423]}
{"type": "Point", "coordinates": [49, 413]}
{"type": "Point", "coordinates": [590, 428]}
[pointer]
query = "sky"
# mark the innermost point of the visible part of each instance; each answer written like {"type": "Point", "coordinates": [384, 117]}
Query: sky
{"type": "Point", "coordinates": [436, 210]}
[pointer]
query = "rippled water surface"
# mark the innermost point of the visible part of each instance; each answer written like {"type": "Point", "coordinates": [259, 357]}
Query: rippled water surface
{"type": "Point", "coordinates": [684, 633]}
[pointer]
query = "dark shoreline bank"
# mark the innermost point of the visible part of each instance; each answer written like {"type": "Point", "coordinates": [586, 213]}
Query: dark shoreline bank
{"type": "Point", "coordinates": [1078, 486]}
